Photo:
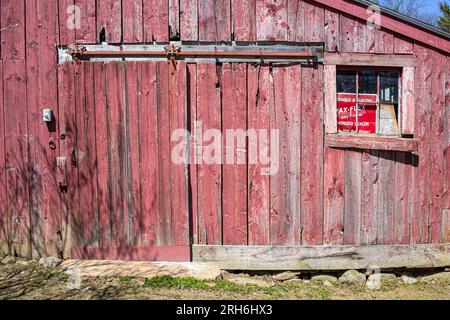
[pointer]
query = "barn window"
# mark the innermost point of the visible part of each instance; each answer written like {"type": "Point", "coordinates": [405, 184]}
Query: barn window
{"type": "Point", "coordinates": [368, 101]}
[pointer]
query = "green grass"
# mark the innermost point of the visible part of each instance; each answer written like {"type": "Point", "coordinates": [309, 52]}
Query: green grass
{"type": "Point", "coordinates": [171, 282]}
{"type": "Point", "coordinates": [125, 279]}
{"type": "Point", "coordinates": [168, 282]}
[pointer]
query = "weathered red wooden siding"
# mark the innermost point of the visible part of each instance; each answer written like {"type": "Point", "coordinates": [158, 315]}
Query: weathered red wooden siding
{"type": "Point", "coordinates": [114, 122]}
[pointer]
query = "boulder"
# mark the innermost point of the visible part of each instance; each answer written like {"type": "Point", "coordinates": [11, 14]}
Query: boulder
{"type": "Point", "coordinates": [408, 280]}
{"type": "Point", "coordinates": [50, 262]}
{"type": "Point", "coordinates": [353, 277]}
{"type": "Point", "coordinates": [284, 276]}
{"type": "Point", "coordinates": [441, 276]}
{"type": "Point", "coordinates": [8, 260]}
{"type": "Point", "coordinates": [324, 278]}
{"type": "Point", "coordinates": [327, 283]}
{"type": "Point", "coordinates": [377, 280]}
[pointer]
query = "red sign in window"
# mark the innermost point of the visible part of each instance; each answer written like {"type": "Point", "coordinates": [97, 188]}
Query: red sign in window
{"type": "Point", "coordinates": [367, 113]}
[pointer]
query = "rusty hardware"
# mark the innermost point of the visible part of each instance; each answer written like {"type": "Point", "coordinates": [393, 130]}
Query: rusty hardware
{"type": "Point", "coordinates": [73, 157]}
{"type": "Point", "coordinates": [172, 52]}
{"type": "Point", "coordinates": [52, 145]}
{"type": "Point", "coordinates": [75, 50]}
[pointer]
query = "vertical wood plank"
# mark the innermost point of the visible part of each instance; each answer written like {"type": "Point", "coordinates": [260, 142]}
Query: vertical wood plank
{"type": "Point", "coordinates": [163, 113]}
{"type": "Point", "coordinates": [330, 97]}
{"type": "Point", "coordinates": [437, 145]}
{"type": "Point", "coordinates": [312, 155]}
{"type": "Point", "coordinates": [446, 198]}
{"type": "Point", "coordinates": [348, 34]}
{"type": "Point", "coordinates": [102, 154]}
{"type": "Point", "coordinates": [244, 19]}
{"type": "Point", "coordinates": [314, 28]}
{"type": "Point", "coordinates": [116, 134]}
{"type": "Point", "coordinates": [403, 191]}
{"type": "Point", "coordinates": [66, 100]}
{"type": "Point", "coordinates": [386, 198]}
{"type": "Point", "coordinates": [296, 21]}
{"type": "Point", "coordinates": [76, 154]}
{"type": "Point", "coordinates": [369, 196]}
{"type": "Point", "coordinates": [214, 20]}
{"type": "Point", "coordinates": [333, 222]}
{"type": "Point", "coordinates": [385, 42]}
{"type": "Point", "coordinates": [66, 22]}
{"type": "Point", "coordinates": [156, 20]}
{"type": "Point", "coordinates": [189, 20]}
{"type": "Point", "coordinates": [87, 34]}
{"type": "Point", "coordinates": [87, 162]}
{"type": "Point", "coordinates": [194, 149]}
{"type": "Point", "coordinates": [109, 17]}
{"type": "Point", "coordinates": [332, 30]}
{"type": "Point", "coordinates": [36, 147]}
{"type": "Point", "coordinates": [178, 171]}
{"type": "Point", "coordinates": [259, 93]}
{"type": "Point", "coordinates": [403, 45]}
{"type": "Point", "coordinates": [174, 19]}
{"type": "Point", "coordinates": [148, 142]}
{"type": "Point", "coordinates": [209, 174]}
{"type": "Point", "coordinates": [421, 171]}
{"type": "Point", "coordinates": [234, 170]}
{"type": "Point", "coordinates": [133, 122]}
{"type": "Point", "coordinates": [408, 101]}
{"type": "Point", "coordinates": [285, 223]}
{"type": "Point", "coordinates": [352, 198]}
{"type": "Point", "coordinates": [16, 156]}
{"type": "Point", "coordinates": [12, 24]}
{"type": "Point", "coordinates": [272, 20]}
{"type": "Point", "coordinates": [42, 37]}
{"type": "Point", "coordinates": [133, 23]}
{"type": "Point", "coordinates": [4, 223]}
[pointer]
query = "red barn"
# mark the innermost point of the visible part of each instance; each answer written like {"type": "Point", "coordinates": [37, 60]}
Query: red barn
{"type": "Point", "coordinates": [271, 134]}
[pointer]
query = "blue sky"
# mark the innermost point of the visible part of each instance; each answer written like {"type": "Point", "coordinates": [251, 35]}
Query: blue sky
{"type": "Point", "coordinates": [433, 5]}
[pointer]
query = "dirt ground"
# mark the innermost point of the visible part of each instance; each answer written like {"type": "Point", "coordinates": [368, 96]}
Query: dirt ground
{"type": "Point", "coordinates": [29, 280]}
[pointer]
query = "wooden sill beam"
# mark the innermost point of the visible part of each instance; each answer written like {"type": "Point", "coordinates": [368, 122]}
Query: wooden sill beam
{"type": "Point", "coordinates": [369, 60]}
{"type": "Point", "coordinates": [323, 258]}
{"type": "Point", "coordinates": [371, 142]}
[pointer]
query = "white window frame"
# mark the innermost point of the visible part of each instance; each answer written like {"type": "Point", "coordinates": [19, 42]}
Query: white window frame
{"type": "Point", "coordinates": [407, 100]}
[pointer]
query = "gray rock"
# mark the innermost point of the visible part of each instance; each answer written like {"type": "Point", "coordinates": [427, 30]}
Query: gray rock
{"type": "Point", "coordinates": [441, 276]}
{"type": "Point", "coordinates": [8, 260]}
{"type": "Point", "coordinates": [408, 280]}
{"type": "Point", "coordinates": [324, 278]}
{"type": "Point", "coordinates": [353, 277]}
{"type": "Point", "coordinates": [284, 276]}
{"type": "Point", "coordinates": [50, 262]}
{"type": "Point", "coordinates": [327, 283]}
{"type": "Point", "coordinates": [377, 280]}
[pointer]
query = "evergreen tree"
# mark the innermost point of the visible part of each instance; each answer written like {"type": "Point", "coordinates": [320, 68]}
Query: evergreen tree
{"type": "Point", "coordinates": [444, 19]}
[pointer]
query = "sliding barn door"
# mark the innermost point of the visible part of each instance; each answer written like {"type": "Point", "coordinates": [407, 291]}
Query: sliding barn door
{"type": "Point", "coordinates": [273, 197]}
{"type": "Point", "coordinates": [124, 197]}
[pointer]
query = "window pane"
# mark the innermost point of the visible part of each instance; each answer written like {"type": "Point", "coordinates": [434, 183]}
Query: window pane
{"type": "Point", "coordinates": [389, 87]}
{"type": "Point", "coordinates": [367, 82]}
{"type": "Point", "coordinates": [389, 119]}
{"type": "Point", "coordinates": [346, 81]}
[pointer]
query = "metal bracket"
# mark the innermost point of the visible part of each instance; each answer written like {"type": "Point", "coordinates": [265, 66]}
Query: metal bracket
{"type": "Point", "coordinates": [173, 52]}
